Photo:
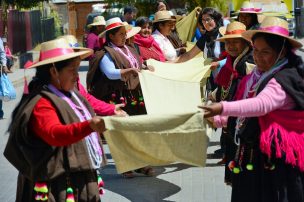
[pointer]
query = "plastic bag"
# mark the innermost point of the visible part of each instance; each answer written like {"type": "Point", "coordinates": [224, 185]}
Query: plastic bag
{"type": "Point", "coordinates": [7, 90]}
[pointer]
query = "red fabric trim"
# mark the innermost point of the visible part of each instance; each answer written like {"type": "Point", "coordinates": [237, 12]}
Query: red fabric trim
{"type": "Point", "coordinates": [239, 31]}
{"type": "Point", "coordinates": [117, 24]}
{"type": "Point", "coordinates": [54, 53]}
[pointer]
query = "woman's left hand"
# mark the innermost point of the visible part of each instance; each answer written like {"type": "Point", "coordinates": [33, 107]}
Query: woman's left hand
{"type": "Point", "coordinates": [212, 109]}
{"type": "Point", "coordinates": [150, 68]}
{"type": "Point", "coordinates": [118, 111]}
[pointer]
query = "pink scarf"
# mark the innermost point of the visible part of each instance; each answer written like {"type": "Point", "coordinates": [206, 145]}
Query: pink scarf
{"type": "Point", "coordinates": [285, 129]}
{"type": "Point", "coordinates": [149, 42]}
{"type": "Point", "coordinates": [247, 85]}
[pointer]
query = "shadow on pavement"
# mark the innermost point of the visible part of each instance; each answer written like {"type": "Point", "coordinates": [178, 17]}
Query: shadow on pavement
{"type": "Point", "coordinates": [142, 188]}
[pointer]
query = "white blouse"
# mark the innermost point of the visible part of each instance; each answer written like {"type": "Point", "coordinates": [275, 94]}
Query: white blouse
{"type": "Point", "coordinates": [165, 45]}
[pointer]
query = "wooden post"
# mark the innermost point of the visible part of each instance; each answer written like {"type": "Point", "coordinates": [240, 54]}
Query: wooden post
{"type": "Point", "coordinates": [72, 15]}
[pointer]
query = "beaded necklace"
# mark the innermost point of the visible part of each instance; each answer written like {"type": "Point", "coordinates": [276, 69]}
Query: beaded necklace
{"type": "Point", "coordinates": [129, 56]}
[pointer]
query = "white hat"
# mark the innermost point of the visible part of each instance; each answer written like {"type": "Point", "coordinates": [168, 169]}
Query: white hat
{"type": "Point", "coordinates": [98, 20]}
{"type": "Point", "coordinates": [131, 31]}
{"type": "Point", "coordinates": [112, 24]}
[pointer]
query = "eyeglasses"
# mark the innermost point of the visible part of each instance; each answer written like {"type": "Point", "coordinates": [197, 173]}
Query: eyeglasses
{"type": "Point", "coordinates": [207, 20]}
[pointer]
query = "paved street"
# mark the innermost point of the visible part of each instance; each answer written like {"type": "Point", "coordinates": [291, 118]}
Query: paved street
{"type": "Point", "coordinates": [175, 182]}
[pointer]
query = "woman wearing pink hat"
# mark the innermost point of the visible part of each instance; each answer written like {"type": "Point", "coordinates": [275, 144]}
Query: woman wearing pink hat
{"type": "Point", "coordinates": [248, 15]}
{"type": "Point", "coordinates": [269, 133]}
{"type": "Point", "coordinates": [54, 138]}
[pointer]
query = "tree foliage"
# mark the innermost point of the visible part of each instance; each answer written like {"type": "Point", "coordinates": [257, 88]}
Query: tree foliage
{"type": "Point", "coordinates": [221, 5]}
{"type": "Point", "coordinates": [146, 7]}
{"type": "Point", "coordinates": [23, 3]}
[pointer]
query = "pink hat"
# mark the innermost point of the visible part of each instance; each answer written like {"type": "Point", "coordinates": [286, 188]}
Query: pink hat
{"type": "Point", "coordinates": [275, 26]}
{"type": "Point", "coordinates": [248, 7]}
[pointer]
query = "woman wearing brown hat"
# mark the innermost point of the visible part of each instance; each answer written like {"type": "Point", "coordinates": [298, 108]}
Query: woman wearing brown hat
{"type": "Point", "coordinates": [162, 26]}
{"type": "Point", "coordinates": [269, 161]}
{"type": "Point", "coordinates": [238, 53]}
{"type": "Point", "coordinates": [54, 141]}
{"type": "Point", "coordinates": [113, 75]}
{"type": "Point", "coordinates": [93, 42]}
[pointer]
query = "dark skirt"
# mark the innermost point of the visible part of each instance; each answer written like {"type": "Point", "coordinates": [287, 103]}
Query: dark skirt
{"type": "Point", "coordinates": [133, 100]}
{"type": "Point", "coordinates": [230, 149]}
{"type": "Point", "coordinates": [84, 185]}
{"type": "Point", "coordinates": [282, 184]}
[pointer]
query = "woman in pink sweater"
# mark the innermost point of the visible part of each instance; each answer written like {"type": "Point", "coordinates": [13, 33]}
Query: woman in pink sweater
{"type": "Point", "coordinates": [269, 133]}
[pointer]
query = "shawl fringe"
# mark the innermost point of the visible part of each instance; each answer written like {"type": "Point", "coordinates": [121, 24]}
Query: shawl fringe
{"type": "Point", "coordinates": [285, 129]}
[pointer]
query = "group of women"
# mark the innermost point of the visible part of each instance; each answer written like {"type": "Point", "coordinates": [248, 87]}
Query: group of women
{"type": "Point", "coordinates": [54, 140]}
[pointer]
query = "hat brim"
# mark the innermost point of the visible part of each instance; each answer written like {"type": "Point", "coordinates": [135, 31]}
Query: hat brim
{"type": "Point", "coordinates": [104, 32]}
{"type": "Point", "coordinates": [96, 24]}
{"type": "Point", "coordinates": [294, 43]}
{"type": "Point", "coordinates": [231, 36]}
{"type": "Point", "coordinates": [222, 31]}
{"type": "Point", "coordinates": [133, 31]}
{"type": "Point", "coordinates": [82, 54]}
{"type": "Point", "coordinates": [164, 19]}
{"type": "Point", "coordinates": [253, 12]}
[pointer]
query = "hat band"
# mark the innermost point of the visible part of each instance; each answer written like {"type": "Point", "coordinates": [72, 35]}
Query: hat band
{"type": "Point", "coordinates": [238, 31]}
{"type": "Point", "coordinates": [74, 45]}
{"type": "Point", "coordinates": [54, 53]}
{"type": "Point", "coordinates": [251, 9]}
{"type": "Point", "coordinates": [276, 29]}
{"type": "Point", "coordinates": [114, 25]}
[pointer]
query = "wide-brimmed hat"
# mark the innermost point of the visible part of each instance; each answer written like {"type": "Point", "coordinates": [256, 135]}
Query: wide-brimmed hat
{"type": "Point", "coordinates": [98, 20]}
{"type": "Point", "coordinates": [72, 41]}
{"type": "Point", "coordinates": [275, 26]}
{"type": "Point", "coordinates": [177, 17]}
{"type": "Point", "coordinates": [58, 50]}
{"type": "Point", "coordinates": [163, 16]}
{"type": "Point", "coordinates": [233, 30]}
{"type": "Point", "coordinates": [248, 7]}
{"type": "Point", "coordinates": [131, 31]}
{"type": "Point", "coordinates": [112, 24]}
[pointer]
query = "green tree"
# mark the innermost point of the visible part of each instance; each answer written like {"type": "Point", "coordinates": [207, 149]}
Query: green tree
{"type": "Point", "coordinates": [146, 7]}
{"type": "Point", "coordinates": [23, 3]}
{"type": "Point", "coordinates": [221, 5]}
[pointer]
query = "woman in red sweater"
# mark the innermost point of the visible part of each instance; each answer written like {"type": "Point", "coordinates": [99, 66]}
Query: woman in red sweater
{"type": "Point", "coordinates": [54, 141]}
{"type": "Point", "coordinates": [148, 47]}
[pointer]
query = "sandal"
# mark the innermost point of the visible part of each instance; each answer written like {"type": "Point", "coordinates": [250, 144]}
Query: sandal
{"type": "Point", "coordinates": [148, 171]}
{"type": "Point", "coordinates": [128, 174]}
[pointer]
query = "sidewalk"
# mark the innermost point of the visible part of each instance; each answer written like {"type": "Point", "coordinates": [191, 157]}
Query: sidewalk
{"type": "Point", "coordinates": [17, 77]}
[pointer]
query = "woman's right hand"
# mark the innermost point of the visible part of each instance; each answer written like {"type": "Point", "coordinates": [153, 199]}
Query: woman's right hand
{"type": "Point", "coordinates": [126, 73]}
{"type": "Point", "coordinates": [214, 65]}
{"type": "Point", "coordinates": [97, 124]}
{"type": "Point", "coordinates": [212, 109]}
